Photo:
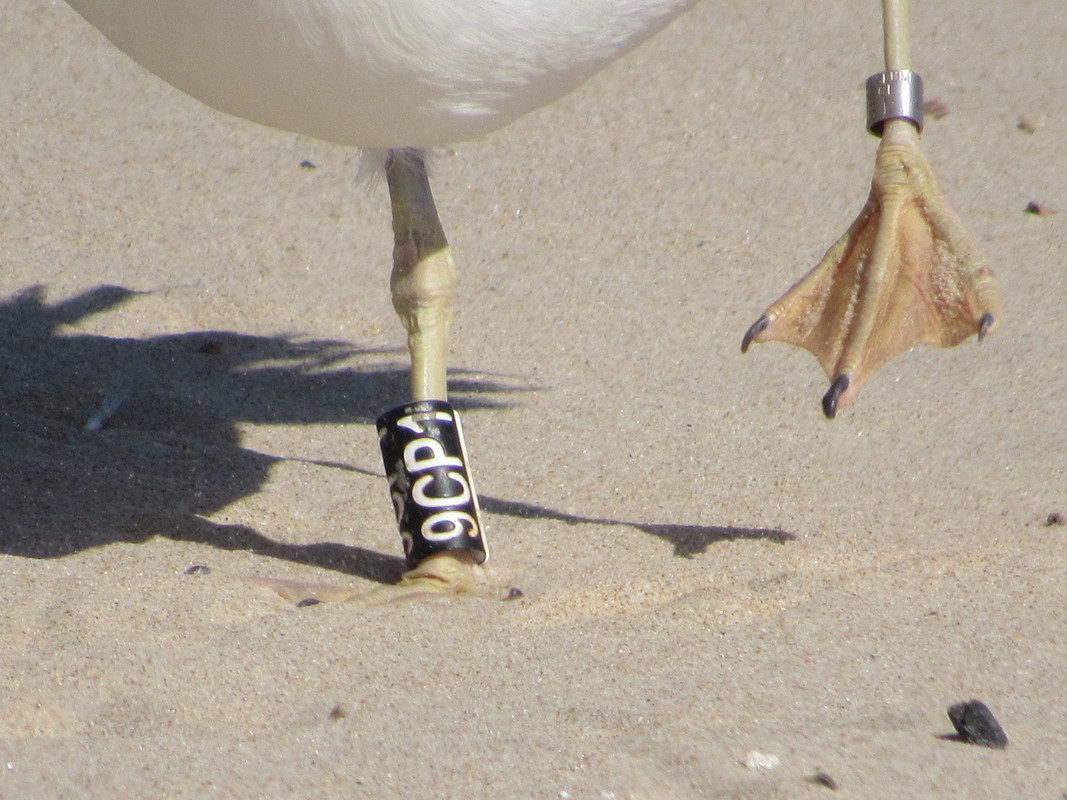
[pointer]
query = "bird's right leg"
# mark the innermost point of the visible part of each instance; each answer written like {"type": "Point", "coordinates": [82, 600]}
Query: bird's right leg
{"type": "Point", "coordinates": [421, 441]}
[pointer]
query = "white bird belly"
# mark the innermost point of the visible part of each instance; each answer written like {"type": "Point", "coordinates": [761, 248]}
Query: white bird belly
{"type": "Point", "coordinates": [378, 73]}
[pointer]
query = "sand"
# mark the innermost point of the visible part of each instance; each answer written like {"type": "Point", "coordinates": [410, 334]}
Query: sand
{"type": "Point", "coordinates": [715, 577]}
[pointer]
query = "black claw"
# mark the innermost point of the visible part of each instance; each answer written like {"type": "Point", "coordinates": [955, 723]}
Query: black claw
{"type": "Point", "coordinates": [758, 327]}
{"type": "Point", "coordinates": [984, 324]}
{"type": "Point", "coordinates": [829, 400]}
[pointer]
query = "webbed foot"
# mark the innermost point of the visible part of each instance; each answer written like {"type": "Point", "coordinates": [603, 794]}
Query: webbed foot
{"type": "Point", "coordinates": [906, 272]}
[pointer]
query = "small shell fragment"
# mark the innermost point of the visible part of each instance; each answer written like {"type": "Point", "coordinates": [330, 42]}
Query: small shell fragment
{"type": "Point", "coordinates": [111, 406]}
{"type": "Point", "coordinates": [754, 759]}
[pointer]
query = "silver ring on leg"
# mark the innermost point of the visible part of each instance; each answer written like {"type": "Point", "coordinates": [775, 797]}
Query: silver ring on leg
{"type": "Point", "coordinates": [896, 94]}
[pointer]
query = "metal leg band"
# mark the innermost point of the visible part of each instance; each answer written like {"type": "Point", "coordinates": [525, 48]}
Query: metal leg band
{"type": "Point", "coordinates": [429, 482]}
{"type": "Point", "coordinates": [897, 94]}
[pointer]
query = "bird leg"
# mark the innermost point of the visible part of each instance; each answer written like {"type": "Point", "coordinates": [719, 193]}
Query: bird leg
{"type": "Point", "coordinates": [423, 285]}
{"type": "Point", "coordinates": [906, 272]}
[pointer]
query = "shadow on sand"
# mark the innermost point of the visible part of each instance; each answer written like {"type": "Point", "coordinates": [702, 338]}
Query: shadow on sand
{"type": "Point", "coordinates": [170, 452]}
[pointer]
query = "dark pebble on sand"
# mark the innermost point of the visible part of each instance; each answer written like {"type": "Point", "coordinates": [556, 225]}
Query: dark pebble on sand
{"type": "Point", "coordinates": [975, 724]}
{"type": "Point", "coordinates": [198, 569]}
{"type": "Point", "coordinates": [308, 601]}
{"type": "Point", "coordinates": [824, 779]}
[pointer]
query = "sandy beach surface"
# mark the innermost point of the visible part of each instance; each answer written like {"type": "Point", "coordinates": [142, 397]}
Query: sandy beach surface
{"type": "Point", "coordinates": [724, 594]}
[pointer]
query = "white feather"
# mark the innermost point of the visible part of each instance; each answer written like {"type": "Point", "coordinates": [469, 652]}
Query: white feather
{"type": "Point", "coordinates": [378, 73]}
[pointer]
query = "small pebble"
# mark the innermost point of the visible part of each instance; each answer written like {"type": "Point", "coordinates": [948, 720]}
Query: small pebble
{"type": "Point", "coordinates": [198, 569]}
{"type": "Point", "coordinates": [308, 601]}
{"type": "Point", "coordinates": [1036, 209]}
{"type": "Point", "coordinates": [1055, 518]}
{"type": "Point", "coordinates": [337, 712]}
{"type": "Point", "coordinates": [824, 779]}
{"type": "Point", "coordinates": [306, 164]}
{"type": "Point", "coordinates": [1025, 125]}
{"type": "Point", "coordinates": [514, 593]}
{"type": "Point", "coordinates": [936, 108]}
{"type": "Point", "coordinates": [975, 724]}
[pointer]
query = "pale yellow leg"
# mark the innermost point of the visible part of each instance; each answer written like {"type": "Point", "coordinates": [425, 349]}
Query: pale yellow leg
{"type": "Point", "coordinates": [424, 280]}
{"type": "Point", "coordinates": [423, 286]}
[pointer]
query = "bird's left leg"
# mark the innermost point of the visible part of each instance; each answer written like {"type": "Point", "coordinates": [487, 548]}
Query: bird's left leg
{"type": "Point", "coordinates": [906, 272]}
{"type": "Point", "coordinates": [421, 442]}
